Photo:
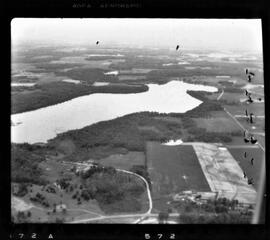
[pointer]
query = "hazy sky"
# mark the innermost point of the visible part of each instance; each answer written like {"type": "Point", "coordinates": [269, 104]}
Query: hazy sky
{"type": "Point", "coordinates": [219, 34]}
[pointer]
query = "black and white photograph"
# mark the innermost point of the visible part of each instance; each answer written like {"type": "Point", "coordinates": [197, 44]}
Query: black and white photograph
{"type": "Point", "coordinates": [137, 120]}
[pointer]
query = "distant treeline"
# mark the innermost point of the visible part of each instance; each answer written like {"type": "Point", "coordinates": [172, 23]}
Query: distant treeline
{"type": "Point", "coordinates": [58, 92]}
{"type": "Point", "coordinates": [120, 88]}
{"type": "Point", "coordinates": [46, 95]}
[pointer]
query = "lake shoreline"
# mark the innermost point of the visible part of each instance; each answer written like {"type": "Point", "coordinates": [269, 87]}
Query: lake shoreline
{"type": "Point", "coordinates": [23, 104]}
{"type": "Point", "coordinates": [44, 124]}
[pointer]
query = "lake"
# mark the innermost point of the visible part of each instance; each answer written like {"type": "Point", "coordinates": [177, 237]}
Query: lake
{"type": "Point", "coordinates": [22, 84]}
{"type": "Point", "coordinates": [45, 123]}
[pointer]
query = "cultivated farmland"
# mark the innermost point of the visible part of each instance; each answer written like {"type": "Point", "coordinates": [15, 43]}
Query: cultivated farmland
{"type": "Point", "coordinates": [173, 169]}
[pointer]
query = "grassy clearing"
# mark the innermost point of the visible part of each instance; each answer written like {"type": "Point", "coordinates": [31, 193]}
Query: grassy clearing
{"type": "Point", "coordinates": [130, 190]}
{"type": "Point", "coordinates": [217, 124]}
{"type": "Point", "coordinates": [149, 129]}
{"type": "Point", "coordinates": [40, 213]}
{"type": "Point", "coordinates": [96, 193]}
{"type": "Point", "coordinates": [124, 161]}
{"type": "Point", "coordinates": [52, 169]}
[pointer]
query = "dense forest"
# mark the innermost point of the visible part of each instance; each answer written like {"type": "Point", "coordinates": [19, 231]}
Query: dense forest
{"type": "Point", "coordinates": [24, 164]}
{"type": "Point", "coordinates": [58, 92]}
{"type": "Point", "coordinates": [115, 191]}
{"type": "Point", "coordinates": [132, 131]}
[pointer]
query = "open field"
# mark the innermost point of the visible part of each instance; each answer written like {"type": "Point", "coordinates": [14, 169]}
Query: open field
{"type": "Point", "coordinates": [256, 108]}
{"type": "Point", "coordinates": [124, 161]}
{"type": "Point", "coordinates": [73, 209]}
{"type": "Point", "coordinates": [79, 193]}
{"type": "Point", "coordinates": [44, 214]}
{"type": "Point", "coordinates": [173, 169]}
{"type": "Point", "coordinates": [123, 143]}
{"type": "Point", "coordinates": [223, 173]}
{"type": "Point", "coordinates": [217, 124]}
{"type": "Point", "coordinates": [257, 126]}
{"type": "Point", "coordinates": [210, 162]}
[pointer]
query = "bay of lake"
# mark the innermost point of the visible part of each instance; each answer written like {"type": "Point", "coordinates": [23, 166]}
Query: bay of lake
{"type": "Point", "coordinates": [45, 123]}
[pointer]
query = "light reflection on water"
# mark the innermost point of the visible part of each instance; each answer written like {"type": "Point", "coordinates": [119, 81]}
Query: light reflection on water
{"type": "Point", "coordinates": [40, 125]}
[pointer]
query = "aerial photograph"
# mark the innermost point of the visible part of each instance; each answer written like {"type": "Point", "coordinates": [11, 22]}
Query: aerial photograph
{"type": "Point", "coordinates": [136, 121]}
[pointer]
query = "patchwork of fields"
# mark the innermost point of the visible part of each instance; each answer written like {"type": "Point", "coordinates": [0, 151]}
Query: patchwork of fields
{"type": "Point", "coordinates": [173, 169]}
{"type": "Point", "coordinates": [200, 164]}
{"type": "Point", "coordinates": [201, 167]}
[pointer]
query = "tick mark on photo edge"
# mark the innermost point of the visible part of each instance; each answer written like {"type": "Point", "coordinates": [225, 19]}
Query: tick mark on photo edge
{"type": "Point", "coordinates": [139, 121]}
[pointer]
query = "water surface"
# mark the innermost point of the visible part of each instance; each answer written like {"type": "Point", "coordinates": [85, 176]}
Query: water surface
{"type": "Point", "coordinates": [22, 84]}
{"type": "Point", "coordinates": [43, 124]}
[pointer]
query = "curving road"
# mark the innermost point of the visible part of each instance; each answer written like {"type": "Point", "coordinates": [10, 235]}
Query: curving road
{"type": "Point", "coordinates": [147, 188]}
{"type": "Point", "coordinates": [140, 215]}
{"type": "Point", "coordinates": [100, 217]}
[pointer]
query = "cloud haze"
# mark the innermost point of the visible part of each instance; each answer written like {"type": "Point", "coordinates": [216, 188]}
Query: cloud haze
{"type": "Point", "coordinates": [218, 34]}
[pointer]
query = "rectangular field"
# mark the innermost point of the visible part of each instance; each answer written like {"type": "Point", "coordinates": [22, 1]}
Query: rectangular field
{"type": "Point", "coordinates": [173, 169]}
{"type": "Point", "coordinates": [223, 173]}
